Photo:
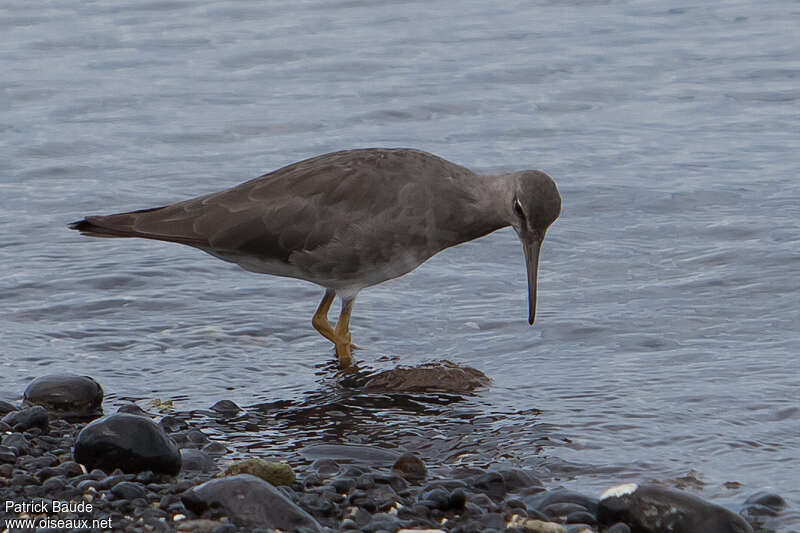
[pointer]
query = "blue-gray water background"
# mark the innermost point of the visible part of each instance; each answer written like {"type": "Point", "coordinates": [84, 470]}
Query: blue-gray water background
{"type": "Point", "coordinates": [667, 338]}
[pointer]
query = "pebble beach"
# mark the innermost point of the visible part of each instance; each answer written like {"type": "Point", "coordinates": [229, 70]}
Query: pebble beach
{"type": "Point", "coordinates": [64, 466]}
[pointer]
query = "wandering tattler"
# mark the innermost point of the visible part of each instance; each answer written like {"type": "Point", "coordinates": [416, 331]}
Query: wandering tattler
{"type": "Point", "coordinates": [348, 220]}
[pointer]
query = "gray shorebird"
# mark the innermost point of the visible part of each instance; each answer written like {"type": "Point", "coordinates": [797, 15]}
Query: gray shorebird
{"type": "Point", "coordinates": [348, 220]}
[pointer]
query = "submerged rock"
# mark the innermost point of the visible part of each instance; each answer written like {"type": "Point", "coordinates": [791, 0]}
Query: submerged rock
{"type": "Point", "coordinates": [275, 473]}
{"type": "Point", "coordinates": [129, 442]}
{"type": "Point", "coordinates": [411, 467]}
{"type": "Point", "coordinates": [655, 509]}
{"type": "Point", "coordinates": [443, 376]}
{"type": "Point", "coordinates": [250, 502]}
{"type": "Point", "coordinates": [66, 395]}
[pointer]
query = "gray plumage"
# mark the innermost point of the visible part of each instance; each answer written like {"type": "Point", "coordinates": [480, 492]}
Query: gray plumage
{"type": "Point", "coordinates": [346, 220]}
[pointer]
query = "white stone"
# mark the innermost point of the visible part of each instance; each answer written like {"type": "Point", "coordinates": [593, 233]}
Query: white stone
{"type": "Point", "coordinates": [619, 490]}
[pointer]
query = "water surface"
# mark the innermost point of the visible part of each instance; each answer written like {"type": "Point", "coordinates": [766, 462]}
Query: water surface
{"type": "Point", "coordinates": [667, 334]}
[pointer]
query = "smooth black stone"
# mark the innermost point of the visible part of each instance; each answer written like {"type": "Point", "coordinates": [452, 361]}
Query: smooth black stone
{"type": "Point", "coordinates": [656, 509]}
{"type": "Point", "coordinates": [768, 499]}
{"type": "Point", "coordinates": [352, 471]}
{"type": "Point", "coordinates": [215, 448]}
{"type": "Point", "coordinates": [562, 509]}
{"type": "Point", "coordinates": [540, 500]}
{"type": "Point", "coordinates": [343, 485]}
{"type": "Point", "coordinates": [6, 407]}
{"type": "Point", "coordinates": [349, 525]}
{"type": "Point", "coordinates": [66, 395]}
{"type": "Point", "coordinates": [457, 500]}
{"type": "Point", "coordinates": [755, 513]}
{"type": "Point", "coordinates": [492, 483]}
{"type": "Point", "coordinates": [195, 436]}
{"type": "Point", "coordinates": [473, 510]}
{"type": "Point", "coordinates": [96, 474]}
{"type": "Point", "coordinates": [436, 499]}
{"type": "Point", "coordinates": [365, 482]}
{"type": "Point", "coordinates": [619, 527]}
{"type": "Point", "coordinates": [28, 418]}
{"type": "Point", "coordinates": [173, 423]}
{"type": "Point", "coordinates": [128, 490]}
{"type": "Point", "coordinates": [447, 484]}
{"type": "Point", "coordinates": [146, 477]}
{"type": "Point", "coordinates": [86, 484]}
{"type": "Point", "coordinates": [326, 467]}
{"type": "Point", "coordinates": [362, 500]}
{"type": "Point", "coordinates": [197, 461]}
{"type": "Point", "coordinates": [129, 442]}
{"type": "Point", "coordinates": [516, 479]}
{"type": "Point", "coordinates": [54, 484]}
{"type": "Point", "coordinates": [110, 481]}
{"type": "Point", "coordinates": [494, 520]}
{"type": "Point", "coordinates": [131, 409]}
{"type": "Point", "coordinates": [8, 455]}
{"type": "Point", "coordinates": [581, 517]}
{"type": "Point", "coordinates": [226, 407]}
{"type": "Point", "coordinates": [250, 502]}
{"type": "Point", "coordinates": [393, 480]}
{"type": "Point", "coordinates": [411, 468]}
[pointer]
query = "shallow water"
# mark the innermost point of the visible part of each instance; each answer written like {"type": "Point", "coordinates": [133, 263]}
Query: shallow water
{"type": "Point", "coordinates": [668, 315]}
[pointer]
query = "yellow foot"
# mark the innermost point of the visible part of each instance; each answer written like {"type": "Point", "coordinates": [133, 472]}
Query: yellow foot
{"type": "Point", "coordinates": [344, 350]}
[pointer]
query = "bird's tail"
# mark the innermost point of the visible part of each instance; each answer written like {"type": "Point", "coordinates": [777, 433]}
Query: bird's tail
{"type": "Point", "coordinates": [119, 225]}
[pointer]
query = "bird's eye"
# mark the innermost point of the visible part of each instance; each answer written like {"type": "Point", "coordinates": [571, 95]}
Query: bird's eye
{"type": "Point", "coordinates": [518, 209]}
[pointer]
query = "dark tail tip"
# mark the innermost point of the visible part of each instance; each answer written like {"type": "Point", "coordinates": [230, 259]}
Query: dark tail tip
{"type": "Point", "coordinates": [80, 225]}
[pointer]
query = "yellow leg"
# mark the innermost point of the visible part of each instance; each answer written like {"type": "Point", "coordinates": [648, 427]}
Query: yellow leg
{"type": "Point", "coordinates": [341, 335]}
{"type": "Point", "coordinates": [344, 346]}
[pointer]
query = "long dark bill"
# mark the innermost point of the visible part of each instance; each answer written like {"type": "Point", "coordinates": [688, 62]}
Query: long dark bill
{"type": "Point", "coordinates": [532, 244]}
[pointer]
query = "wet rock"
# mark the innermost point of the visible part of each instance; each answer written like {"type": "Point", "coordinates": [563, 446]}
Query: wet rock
{"type": "Point", "coordinates": [655, 509]}
{"type": "Point", "coordinates": [194, 460]}
{"type": "Point", "coordinates": [516, 479]}
{"type": "Point", "coordinates": [492, 483]}
{"type": "Point", "coordinates": [128, 490]}
{"type": "Point", "coordinates": [28, 418]}
{"type": "Point", "coordinates": [325, 467]}
{"type": "Point", "coordinates": [767, 499]}
{"type": "Point", "coordinates": [535, 526]}
{"type": "Point", "coordinates": [411, 467]}
{"type": "Point", "coordinates": [203, 526]}
{"type": "Point", "coordinates": [443, 376]}
{"type": "Point", "coordinates": [250, 502]}
{"type": "Point", "coordinates": [619, 527]}
{"type": "Point", "coordinates": [275, 473]}
{"type": "Point", "coordinates": [6, 407]}
{"type": "Point", "coordinates": [66, 395]}
{"type": "Point", "coordinates": [581, 517]}
{"type": "Point", "coordinates": [17, 443]}
{"type": "Point", "coordinates": [129, 442]}
{"type": "Point", "coordinates": [542, 500]}
{"type": "Point", "coordinates": [7, 455]}
{"type": "Point", "coordinates": [226, 407]}
{"type": "Point", "coordinates": [132, 409]}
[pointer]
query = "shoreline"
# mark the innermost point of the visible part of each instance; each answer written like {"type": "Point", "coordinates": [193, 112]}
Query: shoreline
{"type": "Point", "coordinates": [338, 487]}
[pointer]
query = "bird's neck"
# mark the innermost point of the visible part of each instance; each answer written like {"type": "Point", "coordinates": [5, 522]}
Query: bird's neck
{"type": "Point", "coordinates": [495, 200]}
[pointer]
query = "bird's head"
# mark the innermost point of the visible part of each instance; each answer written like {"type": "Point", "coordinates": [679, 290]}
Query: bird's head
{"type": "Point", "coordinates": [535, 204]}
